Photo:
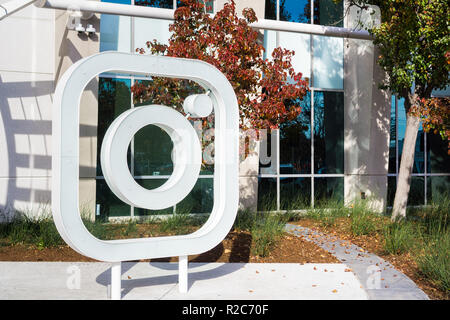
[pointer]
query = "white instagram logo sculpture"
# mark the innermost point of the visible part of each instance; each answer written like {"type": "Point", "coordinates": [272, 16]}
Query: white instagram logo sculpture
{"type": "Point", "coordinates": [186, 156]}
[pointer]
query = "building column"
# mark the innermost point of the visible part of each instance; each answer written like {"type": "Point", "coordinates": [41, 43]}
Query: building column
{"type": "Point", "coordinates": [366, 118]}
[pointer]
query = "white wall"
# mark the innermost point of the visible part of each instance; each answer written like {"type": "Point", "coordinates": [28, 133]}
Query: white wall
{"type": "Point", "coordinates": [26, 89]}
{"type": "Point", "coordinates": [36, 49]}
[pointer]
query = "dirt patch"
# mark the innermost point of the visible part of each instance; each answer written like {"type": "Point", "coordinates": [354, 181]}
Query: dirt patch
{"type": "Point", "coordinates": [374, 243]}
{"type": "Point", "coordinates": [236, 247]}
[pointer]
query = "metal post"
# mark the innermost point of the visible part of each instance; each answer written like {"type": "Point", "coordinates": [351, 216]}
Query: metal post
{"type": "Point", "coordinates": [116, 280]}
{"type": "Point", "coordinates": [183, 274]}
{"type": "Point", "coordinates": [167, 14]}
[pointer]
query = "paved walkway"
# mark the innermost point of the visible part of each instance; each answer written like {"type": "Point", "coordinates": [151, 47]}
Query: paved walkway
{"type": "Point", "coordinates": [360, 276]}
{"type": "Point", "coordinates": [207, 281]}
{"type": "Point", "coordinates": [378, 277]}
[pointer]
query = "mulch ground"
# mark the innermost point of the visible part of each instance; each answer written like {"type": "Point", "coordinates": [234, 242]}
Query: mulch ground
{"type": "Point", "coordinates": [236, 247]}
{"type": "Point", "coordinates": [374, 244]}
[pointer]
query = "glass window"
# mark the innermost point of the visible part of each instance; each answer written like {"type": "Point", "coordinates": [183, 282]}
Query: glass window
{"type": "Point", "coordinates": [114, 97]}
{"type": "Point", "coordinates": [209, 5]}
{"type": "Point", "coordinates": [267, 194]}
{"type": "Point", "coordinates": [416, 195]}
{"type": "Point", "coordinates": [328, 190]}
{"type": "Point", "coordinates": [392, 141]}
{"type": "Point", "coordinates": [108, 203]}
{"type": "Point", "coordinates": [391, 188]}
{"type": "Point", "coordinates": [438, 188]}
{"type": "Point", "coordinates": [200, 199]}
{"type": "Point", "coordinates": [295, 193]}
{"type": "Point", "coordinates": [271, 10]}
{"type": "Point", "coordinates": [328, 13]}
{"type": "Point", "coordinates": [328, 62]}
{"type": "Point", "coordinates": [295, 142]}
{"type": "Point", "coordinates": [438, 158]}
{"type": "Point", "coordinates": [152, 152]}
{"type": "Point", "coordinates": [165, 4]}
{"type": "Point", "coordinates": [149, 30]}
{"type": "Point", "coordinates": [115, 31]}
{"type": "Point", "coordinates": [328, 132]}
{"type": "Point", "coordinates": [268, 152]}
{"type": "Point", "coordinates": [299, 43]}
{"type": "Point", "coordinates": [290, 10]}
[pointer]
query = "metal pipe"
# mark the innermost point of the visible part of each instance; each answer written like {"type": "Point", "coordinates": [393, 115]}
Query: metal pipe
{"type": "Point", "coordinates": [8, 8]}
{"type": "Point", "coordinates": [167, 14]}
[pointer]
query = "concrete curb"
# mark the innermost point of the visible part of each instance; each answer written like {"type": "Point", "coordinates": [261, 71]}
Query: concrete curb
{"type": "Point", "coordinates": [378, 277]}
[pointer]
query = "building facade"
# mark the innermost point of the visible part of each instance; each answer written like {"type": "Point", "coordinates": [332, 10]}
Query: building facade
{"type": "Point", "coordinates": [345, 145]}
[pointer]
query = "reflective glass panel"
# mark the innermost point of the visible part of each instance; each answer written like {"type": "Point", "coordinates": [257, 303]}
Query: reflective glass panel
{"type": "Point", "coordinates": [328, 62]}
{"type": "Point", "coordinates": [295, 142]}
{"type": "Point", "coordinates": [295, 193]}
{"type": "Point", "coordinates": [328, 132]}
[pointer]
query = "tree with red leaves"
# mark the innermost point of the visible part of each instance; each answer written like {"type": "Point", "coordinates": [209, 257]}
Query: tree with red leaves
{"type": "Point", "coordinates": [268, 91]}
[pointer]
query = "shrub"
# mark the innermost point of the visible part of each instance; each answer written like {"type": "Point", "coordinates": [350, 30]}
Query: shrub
{"type": "Point", "coordinates": [266, 231]}
{"type": "Point", "coordinates": [362, 220]}
{"type": "Point", "coordinates": [434, 262]}
{"type": "Point", "coordinates": [398, 237]}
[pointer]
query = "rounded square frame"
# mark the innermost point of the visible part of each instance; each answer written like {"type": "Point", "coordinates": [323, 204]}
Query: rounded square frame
{"type": "Point", "coordinates": [65, 160]}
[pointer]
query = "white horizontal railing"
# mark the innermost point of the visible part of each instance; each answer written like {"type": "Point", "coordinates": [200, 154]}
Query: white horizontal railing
{"type": "Point", "coordinates": [167, 14]}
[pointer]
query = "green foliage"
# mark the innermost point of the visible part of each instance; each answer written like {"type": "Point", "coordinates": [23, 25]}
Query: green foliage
{"type": "Point", "coordinates": [398, 237]}
{"type": "Point", "coordinates": [23, 229]}
{"type": "Point", "coordinates": [362, 223]}
{"type": "Point", "coordinates": [266, 231]}
{"type": "Point", "coordinates": [413, 41]}
{"type": "Point", "coordinates": [40, 230]}
{"type": "Point", "coordinates": [180, 223]}
{"type": "Point", "coordinates": [130, 228]}
{"type": "Point", "coordinates": [434, 261]}
{"type": "Point", "coordinates": [244, 220]}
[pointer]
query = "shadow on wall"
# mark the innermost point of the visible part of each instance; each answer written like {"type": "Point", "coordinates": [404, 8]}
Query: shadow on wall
{"type": "Point", "coordinates": [25, 142]}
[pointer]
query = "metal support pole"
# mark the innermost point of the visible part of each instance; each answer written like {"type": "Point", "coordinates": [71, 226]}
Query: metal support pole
{"type": "Point", "coordinates": [183, 274]}
{"type": "Point", "coordinates": [166, 14]}
{"type": "Point", "coordinates": [116, 280]}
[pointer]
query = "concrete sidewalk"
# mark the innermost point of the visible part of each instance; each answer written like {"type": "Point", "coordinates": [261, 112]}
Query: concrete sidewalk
{"type": "Point", "coordinates": [207, 281]}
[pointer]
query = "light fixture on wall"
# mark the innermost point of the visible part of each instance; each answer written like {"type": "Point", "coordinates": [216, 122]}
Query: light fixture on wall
{"type": "Point", "coordinates": [90, 30]}
{"type": "Point", "coordinates": [74, 21]}
{"type": "Point", "coordinates": [79, 27]}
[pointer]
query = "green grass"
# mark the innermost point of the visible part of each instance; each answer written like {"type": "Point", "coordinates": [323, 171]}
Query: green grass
{"type": "Point", "coordinates": [363, 219]}
{"type": "Point", "coordinates": [433, 261]}
{"type": "Point", "coordinates": [433, 254]}
{"type": "Point", "coordinates": [398, 237]}
{"type": "Point", "coordinates": [40, 231]}
{"type": "Point", "coordinates": [266, 229]}
{"type": "Point", "coordinates": [180, 223]}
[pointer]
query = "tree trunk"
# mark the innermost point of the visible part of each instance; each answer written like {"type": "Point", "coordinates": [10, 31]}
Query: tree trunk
{"type": "Point", "coordinates": [406, 167]}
